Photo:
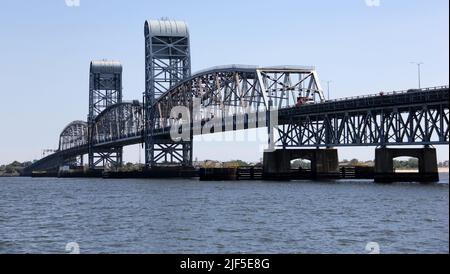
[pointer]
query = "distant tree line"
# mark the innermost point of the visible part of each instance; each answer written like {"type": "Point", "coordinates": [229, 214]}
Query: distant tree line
{"type": "Point", "coordinates": [356, 162]}
{"type": "Point", "coordinates": [300, 164]}
{"type": "Point", "coordinates": [14, 168]}
{"type": "Point", "coordinates": [199, 164]}
{"type": "Point", "coordinates": [411, 163]}
{"type": "Point", "coordinates": [227, 164]}
{"type": "Point", "coordinates": [443, 164]}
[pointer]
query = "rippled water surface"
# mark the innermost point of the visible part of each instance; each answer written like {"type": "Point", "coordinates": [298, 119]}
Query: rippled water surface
{"type": "Point", "coordinates": [188, 216]}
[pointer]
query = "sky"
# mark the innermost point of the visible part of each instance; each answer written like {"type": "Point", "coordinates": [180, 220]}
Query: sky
{"type": "Point", "coordinates": [46, 47]}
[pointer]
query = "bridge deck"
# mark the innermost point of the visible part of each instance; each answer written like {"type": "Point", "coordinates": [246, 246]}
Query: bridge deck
{"type": "Point", "coordinates": [373, 102]}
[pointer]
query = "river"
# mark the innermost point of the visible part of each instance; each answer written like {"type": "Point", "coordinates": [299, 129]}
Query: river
{"type": "Point", "coordinates": [43, 215]}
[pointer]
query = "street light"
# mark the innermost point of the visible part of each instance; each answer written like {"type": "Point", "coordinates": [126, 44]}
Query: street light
{"type": "Point", "coordinates": [328, 88]}
{"type": "Point", "coordinates": [418, 70]}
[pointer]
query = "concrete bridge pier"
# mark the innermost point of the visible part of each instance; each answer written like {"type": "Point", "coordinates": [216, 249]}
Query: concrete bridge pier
{"type": "Point", "coordinates": [384, 165]}
{"type": "Point", "coordinates": [324, 163]}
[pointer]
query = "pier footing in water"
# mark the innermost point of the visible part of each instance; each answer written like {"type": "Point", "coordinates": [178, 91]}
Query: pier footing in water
{"type": "Point", "coordinates": [427, 161]}
{"type": "Point", "coordinates": [324, 163]}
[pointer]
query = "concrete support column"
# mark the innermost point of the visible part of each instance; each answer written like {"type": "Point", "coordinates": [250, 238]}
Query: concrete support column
{"type": "Point", "coordinates": [384, 165]}
{"type": "Point", "coordinates": [429, 163]}
{"type": "Point", "coordinates": [324, 163]}
{"type": "Point", "coordinates": [277, 161]}
{"type": "Point", "coordinates": [384, 162]}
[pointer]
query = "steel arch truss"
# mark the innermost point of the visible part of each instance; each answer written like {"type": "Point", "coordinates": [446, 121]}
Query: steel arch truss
{"type": "Point", "coordinates": [426, 124]}
{"type": "Point", "coordinates": [228, 91]}
{"type": "Point", "coordinates": [118, 122]}
{"type": "Point", "coordinates": [73, 135]}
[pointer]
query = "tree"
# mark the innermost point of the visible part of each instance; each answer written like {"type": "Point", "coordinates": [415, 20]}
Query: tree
{"type": "Point", "coordinates": [301, 163]}
{"type": "Point", "coordinates": [16, 164]}
{"type": "Point", "coordinates": [235, 163]}
{"type": "Point", "coordinates": [354, 162]}
{"type": "Point", "coordinates": [411, 163]}
{"type": "Point", "coordinates": [10, 170]}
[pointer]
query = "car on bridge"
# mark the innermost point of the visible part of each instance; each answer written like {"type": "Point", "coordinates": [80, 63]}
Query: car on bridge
{"type": "Point", "coordinates": [303, 100]}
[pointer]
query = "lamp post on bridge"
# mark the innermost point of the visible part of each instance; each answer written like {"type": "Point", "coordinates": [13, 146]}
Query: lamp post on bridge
{"type": "Point", "coordinates": [418, 71]}
{"type": "Point", "coordinates": [328, 88]}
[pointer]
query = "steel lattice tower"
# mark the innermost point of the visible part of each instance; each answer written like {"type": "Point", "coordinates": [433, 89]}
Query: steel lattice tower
{"type": "Point", "coordinates": [105, 89]}
{"type": "Point", "coordinates": [167, 62]}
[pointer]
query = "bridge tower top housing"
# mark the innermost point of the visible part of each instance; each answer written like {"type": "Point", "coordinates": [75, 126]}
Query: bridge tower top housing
{"type": "Point", "coordinates": [105, 86]}
{"type": "Point", "coordinates": [167, 56]}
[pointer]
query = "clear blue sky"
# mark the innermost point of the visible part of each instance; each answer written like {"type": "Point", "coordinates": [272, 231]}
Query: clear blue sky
{"type": "Point", "coordinates": [46, 48]}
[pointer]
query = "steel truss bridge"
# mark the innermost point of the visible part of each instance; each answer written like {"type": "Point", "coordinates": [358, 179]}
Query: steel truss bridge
{"type": "Point", "coordinates": [287, 100]}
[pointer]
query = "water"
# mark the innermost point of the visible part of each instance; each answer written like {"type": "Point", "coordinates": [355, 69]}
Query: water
{"type": "Point", "coordinates": [188, 216]}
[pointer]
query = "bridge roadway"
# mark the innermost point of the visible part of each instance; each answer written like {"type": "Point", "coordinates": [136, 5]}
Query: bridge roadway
{"type": "Point", "coordinates": [421, 106]}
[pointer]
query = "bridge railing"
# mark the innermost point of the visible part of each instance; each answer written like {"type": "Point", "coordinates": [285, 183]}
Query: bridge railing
{"type": "Point", "coordinates": [382, 93]}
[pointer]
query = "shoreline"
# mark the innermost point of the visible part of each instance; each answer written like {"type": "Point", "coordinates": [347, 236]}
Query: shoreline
{"type": "Point", "coordinates": [440, 170]}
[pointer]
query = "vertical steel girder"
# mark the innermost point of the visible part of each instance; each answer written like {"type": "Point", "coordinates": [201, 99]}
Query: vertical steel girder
{"type": "Point", "coordinates": [167, 62]}
{"type": "Point", "coordinates": [105, 90]}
